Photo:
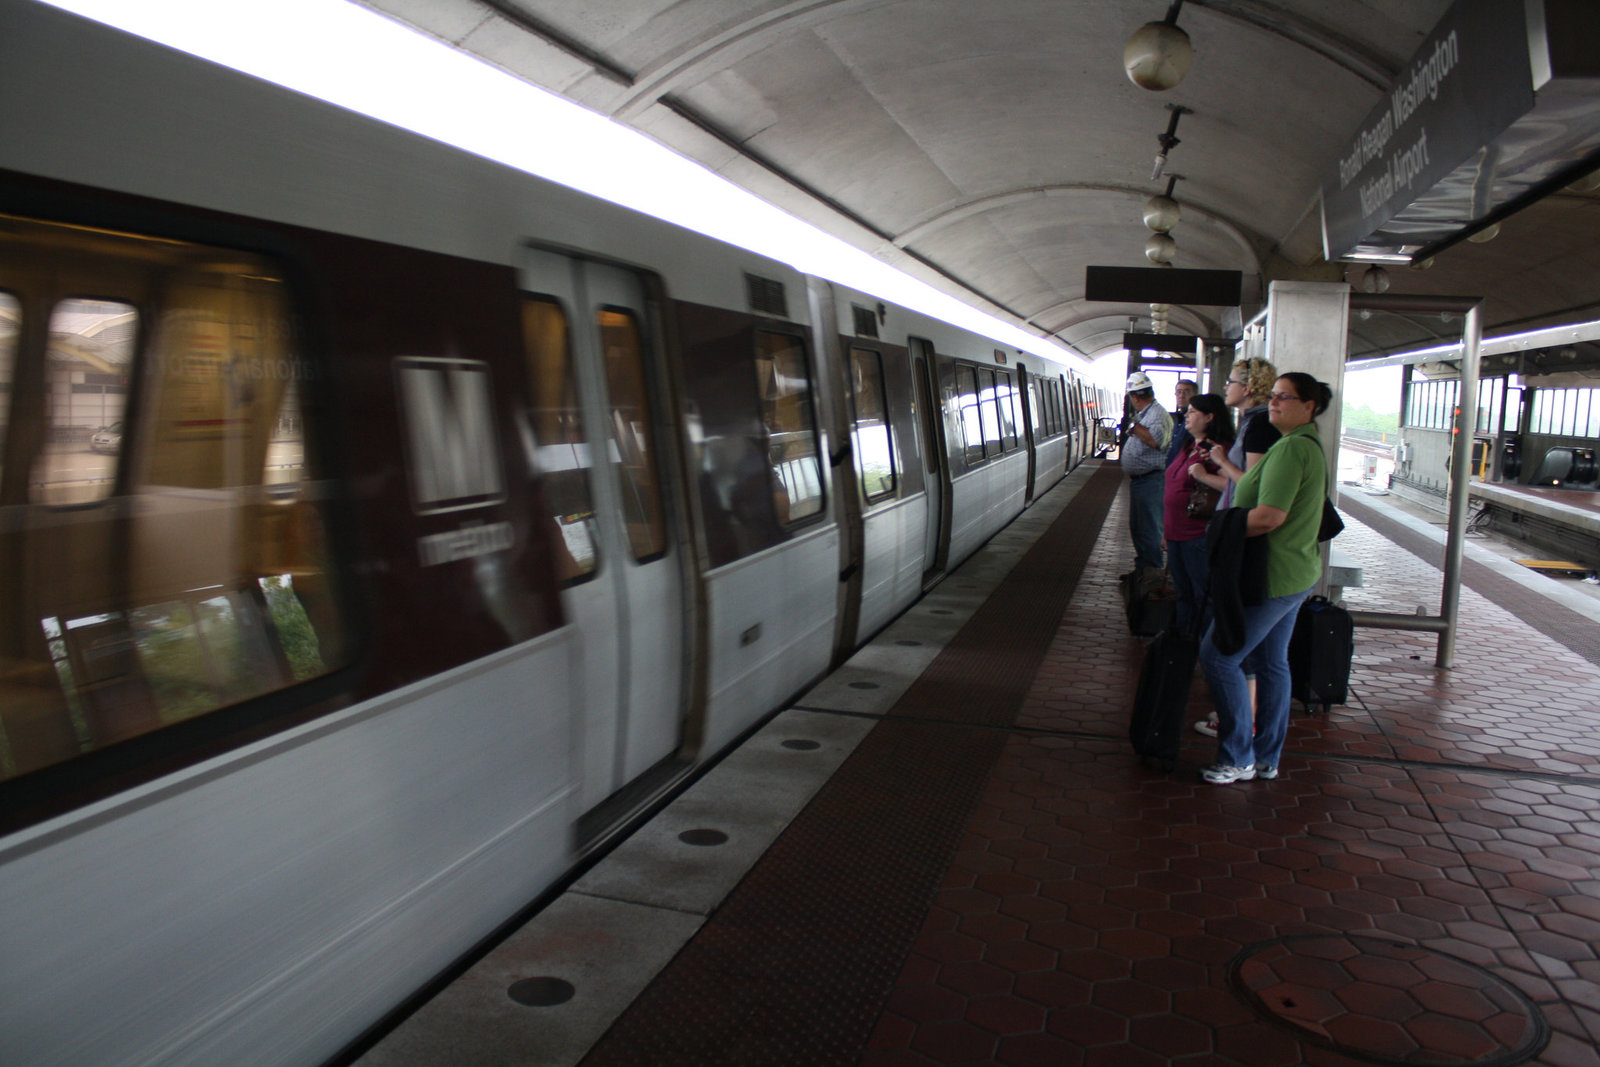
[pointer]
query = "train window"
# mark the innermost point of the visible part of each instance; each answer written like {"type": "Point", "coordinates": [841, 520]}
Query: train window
{"type": "Point", "coordinates": [10, 324]}
{"type": "Point", "coordinates": [208, 582]}
{"type": "Point", "coordinates": [91, 350]}
{"type": "Point", "coordinates": [1038, 410]}
{"type": "Point", "coordinates": [971, 417]}
{"type": "Point", "coordinates": [785, 389]}
{"type": "Point", "coordinates": [1006, 402]}
{"type": "Point", "coordinates": [633, 432]}
{"type": "Point", "coordinates": [991, 417]}
{"type": "Point", "coordinates": [559, 433]}
{"type": "Point", "coordinates": [872, 439]}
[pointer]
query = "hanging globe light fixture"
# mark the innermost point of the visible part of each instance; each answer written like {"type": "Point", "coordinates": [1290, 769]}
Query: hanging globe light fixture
{"type": "Point", "coordinates": [1158, 55]}
{"type": "Point", "coordinates": [1160, 249]}
{"type": "Point", "coordinates": [1374, 280]}
{"type": "Point", "coordinates": [1161, 213]}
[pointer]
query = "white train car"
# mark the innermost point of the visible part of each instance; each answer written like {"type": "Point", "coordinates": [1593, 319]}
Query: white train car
{"type": "Point", "coordinates": [410, 526]}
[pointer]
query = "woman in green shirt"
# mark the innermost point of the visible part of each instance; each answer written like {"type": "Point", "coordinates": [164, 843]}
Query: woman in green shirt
{"type": "Point", "coordinates": [1283, 497]}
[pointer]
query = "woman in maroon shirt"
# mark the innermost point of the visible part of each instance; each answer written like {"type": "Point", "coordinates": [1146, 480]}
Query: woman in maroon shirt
{"type": "Point", "coordinates": [1207, 421]}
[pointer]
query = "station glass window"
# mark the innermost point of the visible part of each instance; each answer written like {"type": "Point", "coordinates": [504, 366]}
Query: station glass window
{"type": "Point", "coordinates": [971, 420]}
{"type": "Point", "coordinates": [1430, 405]}
{"type": "Point", "coordinates": [632, 429]}
{"type": "Point", "coordinates": [186, 574]}
{"type": "Point", "coordinates": [560, 437]}
{"type": "Point", "coordinates": [1539, 417]}
{"type": "Point", "coordinates": [784, 384]}
{"type": "Point", "coordinates": [1566, 412]}
{"type": "Point", "coordinates": [1488, 404]}
{"type": "Point", "coordinates": [873, 440]}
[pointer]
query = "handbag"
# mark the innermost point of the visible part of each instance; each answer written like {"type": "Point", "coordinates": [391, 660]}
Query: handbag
{"type": "Point", "coordinates": [1332, 522]}
{"type": "Point", "coordinates": [1203, 501]}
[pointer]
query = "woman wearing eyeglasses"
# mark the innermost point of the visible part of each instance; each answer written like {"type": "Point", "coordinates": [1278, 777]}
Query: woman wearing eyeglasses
{"type": "Point", "coordinates": [1282, 498]}
{"type": "Point", "coordinates": [1249, 382]}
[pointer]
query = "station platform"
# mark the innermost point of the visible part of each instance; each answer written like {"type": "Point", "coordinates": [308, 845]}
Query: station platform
{"type": "Point", "coordinates": [946, 852]}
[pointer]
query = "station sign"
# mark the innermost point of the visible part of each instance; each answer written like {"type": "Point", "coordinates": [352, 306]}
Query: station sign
{"type": "Point", "coordinates": [1471, 80]}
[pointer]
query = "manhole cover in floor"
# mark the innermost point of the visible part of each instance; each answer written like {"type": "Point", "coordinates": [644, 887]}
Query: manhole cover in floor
{"type": "Point", "coordinates": [1386, 1002]}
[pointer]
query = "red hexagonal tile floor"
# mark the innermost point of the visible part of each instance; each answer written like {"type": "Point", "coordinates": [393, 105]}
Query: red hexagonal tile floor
{"type": "Point", "coordinates": [1422, 884]}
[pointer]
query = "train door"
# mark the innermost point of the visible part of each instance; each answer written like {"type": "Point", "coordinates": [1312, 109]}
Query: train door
{"type": "Point", "coordinates": [936, 542]}
{"type": "Point", "coordinates": [595, 427]}
{"type": "Point", "coordinates": [1071, 400]}
{"type": "Point", "coordinates": [1027, 397]}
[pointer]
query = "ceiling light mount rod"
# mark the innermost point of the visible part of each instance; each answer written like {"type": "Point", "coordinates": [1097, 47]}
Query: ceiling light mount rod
{"type": "Point", "coordinates": [1169, 140]}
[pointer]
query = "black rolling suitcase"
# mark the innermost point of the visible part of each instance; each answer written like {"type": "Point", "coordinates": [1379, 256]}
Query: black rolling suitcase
{"type": "Point", "coordinates": [1156, 728]}
{"type": "Point", "coordinates": [1149, 601]}
{"type": "Point", "coordinates": [1320, 651]}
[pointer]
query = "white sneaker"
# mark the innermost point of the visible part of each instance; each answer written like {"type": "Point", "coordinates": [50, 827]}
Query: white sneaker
{"type": "Point", "coordinates": [1207, 726]}
{"type": "Point", "coordinates": [1222, 774]}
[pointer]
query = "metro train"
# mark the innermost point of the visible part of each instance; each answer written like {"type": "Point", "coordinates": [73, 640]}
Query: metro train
{"type": "Point", "coordinates": [386, 529]}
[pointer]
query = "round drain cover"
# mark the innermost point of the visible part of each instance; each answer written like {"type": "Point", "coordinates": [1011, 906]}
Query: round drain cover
{"type": "Point", "coordinates": [541, 992]}
{"type": "Point", "coordinates": [1388, 1002]}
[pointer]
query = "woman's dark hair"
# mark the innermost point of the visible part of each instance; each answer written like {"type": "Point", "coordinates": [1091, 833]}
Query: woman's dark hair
{"type": "Point", "coordinates": [1221, 428]}
{"type": "Point", "coordinates": [1308, 388]}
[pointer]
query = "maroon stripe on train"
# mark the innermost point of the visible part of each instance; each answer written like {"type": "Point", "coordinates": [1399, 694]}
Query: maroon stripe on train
{"type": "Point", "coordinates": [798, 962]}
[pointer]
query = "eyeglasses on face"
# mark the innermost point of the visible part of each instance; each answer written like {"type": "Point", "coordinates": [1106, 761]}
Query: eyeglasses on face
{"type": "Point", "coordinates": [1235, 381]}
{"type": "Point", "coordinates": [1284, 398]}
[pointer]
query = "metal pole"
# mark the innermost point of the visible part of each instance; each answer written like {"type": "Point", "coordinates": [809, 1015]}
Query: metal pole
{"type": "Point", "coordinates": [1383, 620]}
{"type": "Point", "coordinates": [1460, 482]}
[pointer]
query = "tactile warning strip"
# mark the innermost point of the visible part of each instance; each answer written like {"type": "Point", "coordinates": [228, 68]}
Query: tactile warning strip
{"type": "Point", "coordinates": [796, 965]}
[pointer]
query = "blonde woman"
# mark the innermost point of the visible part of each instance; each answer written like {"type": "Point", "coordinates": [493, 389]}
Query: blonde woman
{"type": "Point", "coordinates": [1249, 385]}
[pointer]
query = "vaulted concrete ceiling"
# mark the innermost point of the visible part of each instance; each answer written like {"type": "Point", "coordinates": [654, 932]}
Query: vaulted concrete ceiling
{"type": "Point", "coordinates": [996, 147]}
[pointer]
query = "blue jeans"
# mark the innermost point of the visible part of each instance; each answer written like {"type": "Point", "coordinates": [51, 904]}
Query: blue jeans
{"type": "Point", "coordinates": [1144, 517]}
{"type": "Point", "coordinates": [1186, 564]}
{"type": "Point", "coordinates": [1267, 628]}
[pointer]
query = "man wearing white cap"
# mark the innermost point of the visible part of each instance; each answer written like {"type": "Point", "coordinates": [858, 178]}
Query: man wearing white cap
{"type": "Point", "coordinates": [1144, 453]}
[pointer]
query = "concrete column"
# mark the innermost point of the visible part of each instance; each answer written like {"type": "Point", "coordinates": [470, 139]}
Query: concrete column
{"type": "Point", "coordinates": [1308, 326]}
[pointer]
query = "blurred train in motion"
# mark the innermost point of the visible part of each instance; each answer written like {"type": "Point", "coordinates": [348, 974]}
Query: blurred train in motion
{"type": "Point", "coordinates": [385, 528]}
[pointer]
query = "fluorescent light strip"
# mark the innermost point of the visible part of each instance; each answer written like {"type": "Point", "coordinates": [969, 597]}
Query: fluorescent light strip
{"type": "Point", "coordinates": [359, 59]}
{"type": "Point", "coordinates": [1545, 337]}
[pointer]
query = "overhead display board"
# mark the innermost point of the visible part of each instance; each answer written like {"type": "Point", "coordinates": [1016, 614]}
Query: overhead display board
{"type": "Point", "coordinates": [1163, 285]}
{"type": "Point", "coordinates": [1159, 342]}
